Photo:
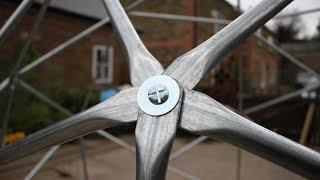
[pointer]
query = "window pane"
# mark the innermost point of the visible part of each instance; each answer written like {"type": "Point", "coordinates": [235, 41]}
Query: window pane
{"type": "Point", "coordinates": [98, 76]}
{"type": "Point", "coordinates": [99, 55]}
{"type": "Point", "coordinates": [105, 55]}
{"type": "Point", "coordinates": [106, 72]}
{"type": "Point", "coordinates": [102, 63]}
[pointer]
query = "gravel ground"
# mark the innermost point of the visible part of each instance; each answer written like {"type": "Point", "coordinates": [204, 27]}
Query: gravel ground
{"type": "Point", "coordinates": [106, 160]}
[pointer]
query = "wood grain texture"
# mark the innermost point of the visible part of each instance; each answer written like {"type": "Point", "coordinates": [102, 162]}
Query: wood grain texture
{"type": "Point", "coordinates": [119, 109]}
{"type": "Point", "coordinates": [154, 138]}
{"type": "Point", "coordinates": [204, 116]}
{"type": "Point", "coordinates": [189, 68]}
{"type": "Point", "coordinates": [142, 64]}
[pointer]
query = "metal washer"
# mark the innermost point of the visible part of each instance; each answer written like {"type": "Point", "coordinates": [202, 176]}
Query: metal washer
{"type": "Point", "coordinates": [156, 110]}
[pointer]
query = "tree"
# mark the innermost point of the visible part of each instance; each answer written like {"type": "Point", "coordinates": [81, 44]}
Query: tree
{"type": "Point", "coordinates": [287, 30]}
{"type": "Point", "coordinates": [317, 35]}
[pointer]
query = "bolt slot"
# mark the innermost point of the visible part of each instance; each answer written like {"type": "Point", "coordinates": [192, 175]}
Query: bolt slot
{"type": "Point", "coordinates": [158, 94]}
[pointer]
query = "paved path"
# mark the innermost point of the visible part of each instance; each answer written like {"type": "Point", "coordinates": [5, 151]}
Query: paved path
{"type": "Point", "coordinates": [106, 160]}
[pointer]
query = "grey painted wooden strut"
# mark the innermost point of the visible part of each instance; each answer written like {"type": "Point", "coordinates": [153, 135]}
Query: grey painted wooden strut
{"type": "Point", "coordinates": [103, 133]}
{"type": "Point", "coordinates": [222, 22]}
{"type": "Point", "coordinates": [50, 102]}
{"type": "Point", "coordinates": [195, 112]}
{"type": "Point", "coordinates": [276, 48]}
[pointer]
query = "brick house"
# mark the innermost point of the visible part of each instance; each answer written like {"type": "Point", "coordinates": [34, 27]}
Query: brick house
{"type": "Point", "coordinates": [94, 60]}
{"type": "Point", "coordinates": [98, 60]}
{"type": "Point", "coordinates": [308, 52]}
{"type": "Point", "coordinates": [168, 39]}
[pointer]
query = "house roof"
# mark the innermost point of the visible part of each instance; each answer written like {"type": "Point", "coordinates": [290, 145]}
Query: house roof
{"type": "Point", "coordinates": [94, 9]}
{"type": "Point", "coordinates": [89, 8]}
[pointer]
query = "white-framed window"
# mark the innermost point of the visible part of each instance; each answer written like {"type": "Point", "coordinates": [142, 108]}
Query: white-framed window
{"type": "Point", "coordinates": [102, 64]}
{"type": "Point", "coordinates": [217, 15]}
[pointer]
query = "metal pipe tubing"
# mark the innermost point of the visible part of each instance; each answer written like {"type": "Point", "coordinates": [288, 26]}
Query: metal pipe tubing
{"type": "Point", "coordinates": [225, 22]}
{"type": "Point", "coordinates": [33, 31]}
{"type": "Point", "coordinates": [85, 122]}
{"type": "Point", "coordinates": [246, 111]}
{"type": "Point", "coordinates": [14, 75]}
{"type": "Point", "coordinates": [83, 159]}
{"type": "Point", "coordinates": [56, 50]}
{"type": "Point", "coordinates": [101, 132]}
{"type": "Point", "coordinates": [187, 147]}
{"type": "Point", "coordinates": [287, 55]}
{"type": "Point", "coordinates": [81, 141]}
{"type": "Point", "coordinates": [133, 149]}
{"type": "Point", "coordinates": [14, 19]}
{"type": "Point", "coordinates": [222, 22]}
{"type": "Point", "coordinates": [53, 149]}
{"type": "Point", "coordinates": [297, 13]}
{"type": "Point", "coordinates": [64, 45]}
{"type": "Point", "coordinates": [189, 68]}
{"type": "Point", "coordinates": [117, 140]}
{"type": "Point", "coordinates": [44, 98]}
{"type": "Point", "coordinates": [42, 161]}
{"type": "Point", "coordinates": [204, 116]}
{"type": "Point", "coordinates": [133, 5]}
{"type": "Point", "coordinates": [6, 117]}
{"type": "Point", "coordinates": [279, 99]}
{"type": "Point", "coordinates": [182, 173]}
{"type": "Point", "coordinates": [178, 17]}
{"type": "Point", "coordinates": [207, 20]}
{"type": "Point", "coordinates": [240, 107]}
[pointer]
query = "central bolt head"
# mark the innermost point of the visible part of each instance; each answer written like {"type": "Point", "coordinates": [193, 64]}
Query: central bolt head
{"type": "Point", "coordinates": [158, 94]}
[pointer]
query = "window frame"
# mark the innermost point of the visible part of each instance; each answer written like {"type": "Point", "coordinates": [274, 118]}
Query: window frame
{"type": "Point", "coordinates": [110, 56]}
{"type": "Point", "coordinates": [215, 13]}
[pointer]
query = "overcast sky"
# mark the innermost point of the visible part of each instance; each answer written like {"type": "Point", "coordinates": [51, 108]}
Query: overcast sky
{"type": "Point", "coordinates": [309, 21]}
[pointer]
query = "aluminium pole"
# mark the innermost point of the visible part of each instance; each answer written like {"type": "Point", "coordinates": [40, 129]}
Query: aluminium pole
{"type": "Point", "coordinates": [133, 5]}
{"type": "Point", "coordinates": [297, 13]}
{"type": "Point", "coordinates": [225, 22]}
{"type": "Point", "coordinates": [81, 139]}
{"type": "Point", "coordinates": [240, 98]}
{"type": "Point", "coordinates": [240, 106]}
{"type": "Point", "coordinates": [105, 134]}
{"type": "Point", "coordinates": [14, 19]}
{"type": "Point", "coordinates": [14, 73]}
{"type": "Point", "coordinates": [276, 48]}
{"type": "Point", "coordinates": [56, 106]}
{"type": "Point", "coordinates": [64, 45]}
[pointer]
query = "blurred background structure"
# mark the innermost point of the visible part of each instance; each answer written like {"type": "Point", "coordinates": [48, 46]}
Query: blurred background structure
{"type": "Point", "coordinates": [92, 67]}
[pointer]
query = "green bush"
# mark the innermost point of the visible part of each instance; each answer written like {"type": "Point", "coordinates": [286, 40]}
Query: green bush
{"type": "Point", "coordinates": [31, 118]}
{"type": "Point", "coordinates": [30, 114]}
